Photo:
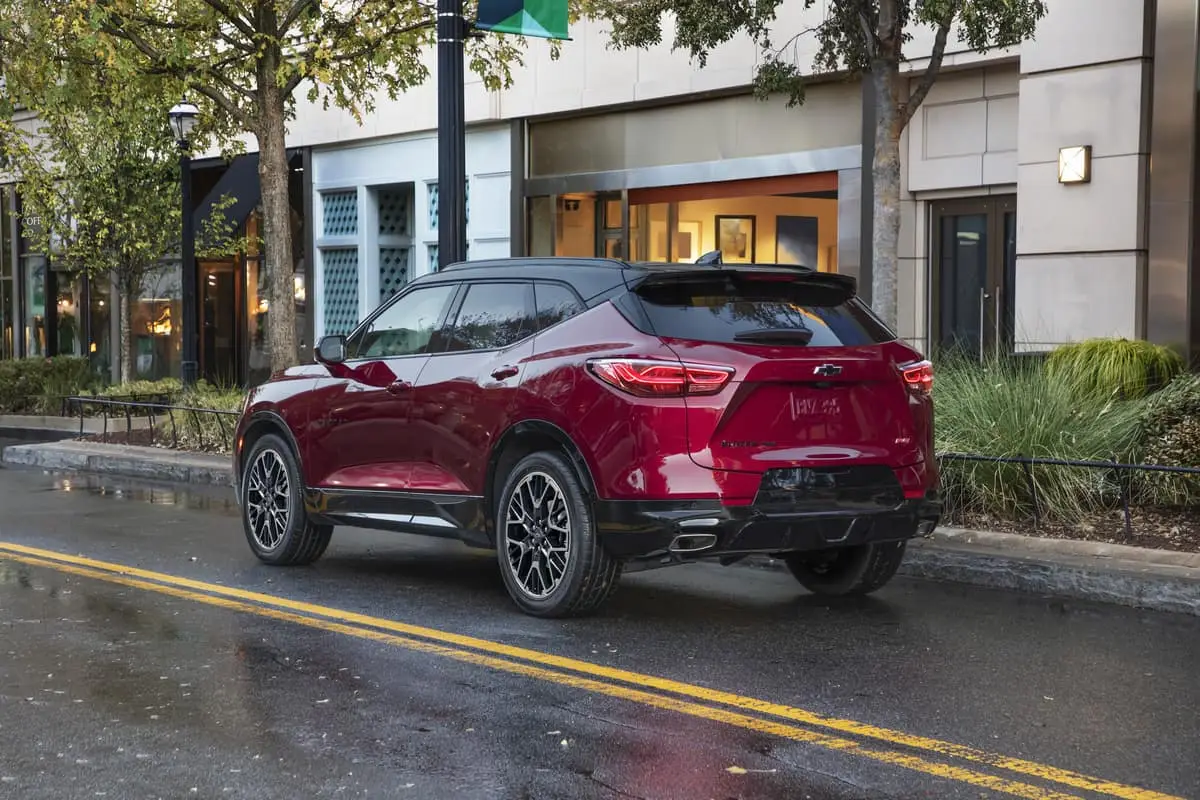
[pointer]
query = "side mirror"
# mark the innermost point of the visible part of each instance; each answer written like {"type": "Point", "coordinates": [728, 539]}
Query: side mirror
{"type": "Point", "coordinates": [331, 350]}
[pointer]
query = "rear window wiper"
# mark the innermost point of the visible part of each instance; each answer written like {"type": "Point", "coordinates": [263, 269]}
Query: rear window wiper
{"type": "Point", "coordinates": [782, 335]}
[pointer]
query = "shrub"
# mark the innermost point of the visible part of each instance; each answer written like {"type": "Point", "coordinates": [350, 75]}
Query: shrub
{"type": "Point", "coordinates": [1169, 435]}
{"type": "Point", "coordinates": [1008, 408]}
{"type": "Point", "coordinates": [1120, 368]}
{"type": "Point", "coordinates": [38, 385]}
{"type": "Point", "coordinates": [193, 430]}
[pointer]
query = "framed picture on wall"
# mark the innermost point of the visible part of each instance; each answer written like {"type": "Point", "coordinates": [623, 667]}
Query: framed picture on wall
{"type": "Point", "coordinates": [735, 239]}
{"type": "Point", "coordinates": [797, 241]}
{"type": "Point", "coordinates": [686, 247]}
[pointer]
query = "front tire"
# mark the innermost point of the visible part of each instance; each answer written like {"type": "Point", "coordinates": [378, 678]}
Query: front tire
{"type": "Point", "coordinates": [857, 570]}
{"type": "Point", "coordinates": [550, 556]}
{"type": "Point", "coordinates": [273, 516]}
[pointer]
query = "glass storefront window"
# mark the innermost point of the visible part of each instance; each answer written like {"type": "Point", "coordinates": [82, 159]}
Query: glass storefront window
{"type": "Point", "coordinates": [100, 350]}
{"type": "Point", "coordinates": [69, 335]}
{"type": "Point", "coordinates": [34, 269]}
{"type": "Point", "coordinates": [257, 304]}
{"type": "Point", "coordinates": [8, 297]}
{"type": "Point", "coordinates": [156, 312]}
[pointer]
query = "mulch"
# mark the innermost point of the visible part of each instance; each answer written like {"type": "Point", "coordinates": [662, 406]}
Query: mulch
{"type": "Point", "coordinates": [1159, 528]}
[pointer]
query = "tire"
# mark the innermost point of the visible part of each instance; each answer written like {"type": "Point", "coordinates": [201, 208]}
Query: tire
{"type": "Point", "coordinates": [857, 570]}
{"type": "Point", "coordinates": [587, 574]}
{"type": "Point", "coordinates": [282, 537]}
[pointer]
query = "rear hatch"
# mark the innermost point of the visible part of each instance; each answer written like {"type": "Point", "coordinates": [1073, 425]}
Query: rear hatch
{"type": "Point", "coordinates": [816, 379]}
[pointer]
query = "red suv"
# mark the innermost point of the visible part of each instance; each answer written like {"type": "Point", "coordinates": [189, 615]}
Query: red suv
{"type": "Point", "coordinates": [587, 416]}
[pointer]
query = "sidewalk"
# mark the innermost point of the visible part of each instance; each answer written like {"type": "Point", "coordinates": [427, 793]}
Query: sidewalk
{"type": "Point", "coordinates": [1132, 576]}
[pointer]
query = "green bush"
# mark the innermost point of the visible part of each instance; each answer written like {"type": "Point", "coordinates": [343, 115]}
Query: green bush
{"type": "Point", "coordinates": [192, 430]}
{"type": "Point", "coordinates": [38, 386]}
{"type": "Point", "coordinates": [1007, 407]}
{"type": "Point", "coordinates": [1169, 436]}
{"type": "Point", "coordinates": [1121, 368]}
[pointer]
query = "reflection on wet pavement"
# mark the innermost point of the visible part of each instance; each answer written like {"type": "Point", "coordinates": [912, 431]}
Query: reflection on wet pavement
{"type": "Point", "coordinates": [196, 498]}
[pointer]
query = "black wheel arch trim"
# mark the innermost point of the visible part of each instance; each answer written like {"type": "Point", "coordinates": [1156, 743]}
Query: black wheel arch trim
{"type": "Point", "coordinates": [280, 426]}
{"type": "Point", "coordinates": [524, 428]}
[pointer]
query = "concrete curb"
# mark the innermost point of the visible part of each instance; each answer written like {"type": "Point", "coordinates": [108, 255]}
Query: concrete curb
{"type": "Point", "coordinates": [1131, 576]}
{"type": "Point", "coordinates": [125, 460]}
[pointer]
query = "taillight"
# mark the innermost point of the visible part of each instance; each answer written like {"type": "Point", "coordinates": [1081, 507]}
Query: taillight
{"type": "Point", "coordinates": [919, 377]}
{"type": "Point", "coordinates": [650, 378]}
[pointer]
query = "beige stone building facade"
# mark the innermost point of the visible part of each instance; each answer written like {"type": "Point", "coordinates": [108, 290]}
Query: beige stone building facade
{"type": "Point", "coordinates": [641, 154]}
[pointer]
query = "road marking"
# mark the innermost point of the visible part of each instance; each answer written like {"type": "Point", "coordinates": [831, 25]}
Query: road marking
{"type": "Point", "coordinates": [663, 702]}
{"type": "Point", "coordinates": [161, 581]}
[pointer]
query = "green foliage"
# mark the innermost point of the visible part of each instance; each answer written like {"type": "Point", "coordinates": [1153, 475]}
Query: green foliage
{"type": "Point", "coordinates": [1169, 436]}
{"type": "Point", "coordinates": [1120, 368]}
{"type": "Point", "coordinates": [852, 36]}
{"type": "Point", "coordinates": [1010, 408]}
{"type": "Point", "coordinates": [38, 386]}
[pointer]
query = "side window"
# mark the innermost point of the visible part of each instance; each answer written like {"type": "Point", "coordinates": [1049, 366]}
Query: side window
{"type": "Point", "coordinates": [555, 303]}
{"type": "Point", "coordinates": [404, 328]}
{"type": "Point", "coordinates": [493, 315]}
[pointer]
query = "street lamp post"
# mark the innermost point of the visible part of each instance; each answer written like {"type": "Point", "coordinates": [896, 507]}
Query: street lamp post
{"type": "Point", "coordinates": [452, 142]}
{"type": "Point", "coordinates": [183, 121]}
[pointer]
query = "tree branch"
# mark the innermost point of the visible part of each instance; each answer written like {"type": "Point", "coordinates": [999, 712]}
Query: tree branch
{"type": "Point", "coordinates": [868, 34]}
{"type": "Point", "coordinates": [297, 78]}
{"type": "Point", "coordinates": [293, 13]}
{"type": "Point", "coordinates": [226, 11]}
{"type": "Point", "coordinates": [935, 66]}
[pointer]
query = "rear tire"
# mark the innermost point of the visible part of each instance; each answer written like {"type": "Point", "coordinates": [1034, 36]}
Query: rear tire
{"type": "Point", "coordinates": [273, 516]}
{"type": "Point", "coordinates": [857, 570]}
{"type": "Point", "coordinates": [550, 556]}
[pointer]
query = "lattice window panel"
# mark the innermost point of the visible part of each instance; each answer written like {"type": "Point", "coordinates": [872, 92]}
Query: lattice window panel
{"type": "Point", "coordinates": [432, 193]}
{"type": "Point", "coordinates": [393, 212]}
{"type": "Point", "coordinates": [340, 212]}
{"type": "Point", "coordinates": [433, 257]}
{"type": "Point", "coordinates": [341, 290]}
{"type": "Point", "coordinates": [393, 270]}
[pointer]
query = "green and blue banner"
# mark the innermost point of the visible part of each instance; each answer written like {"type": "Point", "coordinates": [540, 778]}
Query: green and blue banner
{"type": "Point", "coordinates": [543, 19]}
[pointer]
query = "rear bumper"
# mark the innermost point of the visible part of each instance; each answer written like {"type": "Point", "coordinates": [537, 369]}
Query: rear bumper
{"type": "Point", "coordinates": [653, 530]}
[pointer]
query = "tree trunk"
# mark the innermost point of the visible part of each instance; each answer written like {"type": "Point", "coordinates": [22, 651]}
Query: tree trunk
{"type": "Point", "coordinates": [885, 171]}
{"type": "Point", "coordinates": [125, 313]}
{"type": "Point", "coordinates": [273, 173]}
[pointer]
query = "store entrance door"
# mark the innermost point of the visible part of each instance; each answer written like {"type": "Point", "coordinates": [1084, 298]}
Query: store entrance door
{"type": "Point", "coordinates": [219, 302]}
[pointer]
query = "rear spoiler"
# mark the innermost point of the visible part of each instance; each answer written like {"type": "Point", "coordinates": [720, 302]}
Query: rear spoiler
{"type": "Point", "coordinates": [711, 263]}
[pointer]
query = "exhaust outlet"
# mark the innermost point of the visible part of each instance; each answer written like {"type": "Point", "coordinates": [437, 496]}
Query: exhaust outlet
{"type": "Point", "coordinates": [692, 542]}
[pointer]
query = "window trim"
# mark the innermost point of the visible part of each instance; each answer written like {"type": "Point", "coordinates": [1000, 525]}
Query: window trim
{"type": "Point", "coordinates": [455, 299]}
{"type": "Point", "coordinates": [456, 308]}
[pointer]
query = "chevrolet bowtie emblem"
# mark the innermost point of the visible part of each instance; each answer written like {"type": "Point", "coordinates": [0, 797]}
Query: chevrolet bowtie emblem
{"type": "Point", "coordinates": [827, 370]}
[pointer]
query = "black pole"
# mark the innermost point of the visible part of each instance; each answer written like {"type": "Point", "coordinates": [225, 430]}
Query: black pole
{"type": "Point", "coordinates": [452, 134]}
{"type": "Point", "coordinates": [189, 326]}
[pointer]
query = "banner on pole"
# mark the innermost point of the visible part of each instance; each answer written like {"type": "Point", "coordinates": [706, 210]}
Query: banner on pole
{"type": "Point", "coordinates": [543, 19]}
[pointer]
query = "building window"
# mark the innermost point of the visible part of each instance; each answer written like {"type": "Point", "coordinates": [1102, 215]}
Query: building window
{"type": "Point", "coordinates": [433, 257]}
{"type": "Point", "coordinates": [341, 289]}
{"type": "Point", "coordinates": [340, 212]}
{"type": "Point", "coordinates": [432, 193]}
{"type": "Point", "coordinates": [338, 253]}
{"type": "Point", "coordinates": [394, 206]}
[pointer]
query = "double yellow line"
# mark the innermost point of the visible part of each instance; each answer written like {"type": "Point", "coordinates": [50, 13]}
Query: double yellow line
{"type": "Point", "coordinates": [894, 748]}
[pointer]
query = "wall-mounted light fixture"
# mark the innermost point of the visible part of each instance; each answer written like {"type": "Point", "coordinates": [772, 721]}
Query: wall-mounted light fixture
{"type": "Point", "coordinates": [1075, 164]}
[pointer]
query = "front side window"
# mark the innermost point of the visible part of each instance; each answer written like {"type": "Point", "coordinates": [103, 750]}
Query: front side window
{"type": "Point", "coordinates": [404, 328]}
{"type": "Point", "coordinates": [493, 316]}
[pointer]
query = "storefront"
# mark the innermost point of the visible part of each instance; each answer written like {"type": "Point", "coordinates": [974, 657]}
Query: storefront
{"type": "Point", "coordinates": [674, 182]}
{"type": "Point", "coordinates": [46, 312]}
{"type": "Point", "coordinates": [375, 207]}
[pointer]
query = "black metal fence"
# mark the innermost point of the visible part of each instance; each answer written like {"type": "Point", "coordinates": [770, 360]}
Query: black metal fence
{"type": "Point", "coordinates": [1120, 471]}
{"type": "Point", "coordinates": [168, 424]}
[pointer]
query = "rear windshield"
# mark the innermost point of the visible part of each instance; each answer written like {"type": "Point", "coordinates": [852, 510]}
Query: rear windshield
{"type": "Point", "coordinates": [734, 309]}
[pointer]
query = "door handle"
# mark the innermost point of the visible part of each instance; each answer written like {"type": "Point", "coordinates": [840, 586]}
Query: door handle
{"type": "Point", "coordinates": [504, 373]}
{"type": "Point", "coordinates": [399, 387]}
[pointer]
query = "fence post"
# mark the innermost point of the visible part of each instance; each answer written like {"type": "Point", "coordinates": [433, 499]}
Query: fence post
{"type": "Point", "coordinates": [1124, 491]}
{"type": "Point", "coordinates": [1027, 468]}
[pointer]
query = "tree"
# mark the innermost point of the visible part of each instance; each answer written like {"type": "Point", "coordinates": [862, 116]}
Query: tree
{"type": "Point", "coordinates": [99, 174]}
{"type": "Point", "coordinates": [863, 38]}
{"type": "Point", "coordinates": [243, 62]}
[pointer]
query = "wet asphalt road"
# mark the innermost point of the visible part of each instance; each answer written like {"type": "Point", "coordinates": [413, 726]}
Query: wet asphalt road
{"type": "Point", "coordinates": [112, 690]}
